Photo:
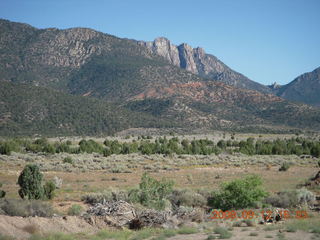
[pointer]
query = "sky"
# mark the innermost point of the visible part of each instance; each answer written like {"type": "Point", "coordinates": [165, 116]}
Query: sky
{"type": "Point", "coordinates": [266, 40]}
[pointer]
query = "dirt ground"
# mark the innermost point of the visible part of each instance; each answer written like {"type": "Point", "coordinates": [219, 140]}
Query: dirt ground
{"type": "Point", "coordinates": [22, 228]}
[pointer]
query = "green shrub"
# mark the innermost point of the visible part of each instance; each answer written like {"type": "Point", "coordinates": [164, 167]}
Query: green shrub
{"type": "Point", "coordinates": [90, 146]}
{"type": "Point", "coordinates": [26, 208]}
{"type": "Point", "coordinates": [238, 194]}
{"type": "Point", "coordinates": [151, 192]}
{"type": "Point", "coordinates": [107, 152]}
{"type": "Point", "coordinates": [49, 188]}
{"type": "Point", "coordinates": [30, 181]}
{"type": "Point", "coordinates": [64, 147]}
{"type": "Point", "coordinates": [5, 148]}
{"type": "Point", "coordinates": [49, 149]}
{"type": "Point", "coordinates": [75, 210]}
{"type": "Point", "coordinates": [68, 160]}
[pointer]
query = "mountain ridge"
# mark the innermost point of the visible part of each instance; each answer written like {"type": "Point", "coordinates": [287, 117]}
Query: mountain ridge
{"type": "Point", "coordinates": [95, 66]}
{"type": "Point", "coordinates": [304, 88]}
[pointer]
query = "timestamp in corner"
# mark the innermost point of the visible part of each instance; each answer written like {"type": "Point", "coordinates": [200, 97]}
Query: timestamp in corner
{"type": "Point", "coordinates": [252, 214]}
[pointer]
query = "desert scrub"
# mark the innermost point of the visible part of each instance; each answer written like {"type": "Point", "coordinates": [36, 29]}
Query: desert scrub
{"type": "Point", "coordinates": [291, 198]}
{"type": "Point", "coordinates": [152, 193]}
{"type": "Point", "coordinates": [223, 232]}
{"type": "Point", "coordinates": [187, 197]}
{"type": "Point", "coordinates": [284, 167]}
{"type": "Point", "coordinates": [75, 210]}
{"type": "Point", "coordinates": [307, 225]}
{"type": "Point", "coordinates": [116, 234]}
{"type": "Point", "coordinates": [68, 160]}
{"type": "Point", "coordinates": [26, 208]}
{"type": "Point", "coordinates": [281, 236]}
{"type": "Point", "coordinates": [187, 230]}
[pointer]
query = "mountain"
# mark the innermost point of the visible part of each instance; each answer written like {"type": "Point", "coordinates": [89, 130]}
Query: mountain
{"type": "Point", "coordinates": [107, 84]}
{"type": "Point", "coordinates": [305, 89]}
{"type": "Point", "coordinates": [195, 60]}
{"type": "Point", "coordinates": [28, 110]}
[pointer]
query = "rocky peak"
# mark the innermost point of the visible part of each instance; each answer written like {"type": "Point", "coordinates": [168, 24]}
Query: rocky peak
{"type": "Point", "coordinates": [163, 47]}
{"type": "Point", "coordinates": [195, 60]}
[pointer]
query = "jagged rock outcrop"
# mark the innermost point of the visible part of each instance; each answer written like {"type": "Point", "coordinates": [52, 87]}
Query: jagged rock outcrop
{"type": "Point", "coordinates": [164, 48]}
{"type": "Point", "coordinates": [195, 60]}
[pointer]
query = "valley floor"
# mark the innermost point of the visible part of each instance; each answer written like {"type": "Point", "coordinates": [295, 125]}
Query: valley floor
{"type": "Point", "coordinates": [93, 173]}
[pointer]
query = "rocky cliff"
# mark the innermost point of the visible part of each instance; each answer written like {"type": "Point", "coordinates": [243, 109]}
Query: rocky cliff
{"type": "Point", "coordinates": [198, 62]}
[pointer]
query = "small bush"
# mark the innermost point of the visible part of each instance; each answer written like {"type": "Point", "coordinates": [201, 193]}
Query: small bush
{"type": "Point", "coordinates": [152, 193]}
{"type": "Point", "coordinates": [253, 234]}
{"type": "Point", "coordinates": [68, 160]}
{"type": "Point", "coordinates": [49, 188]}
{"type": "Point", "coordinates": [223, 232]}
{"type": "Point", "coordinates": [57, 182]}
{"type": "Point", "coordinates": [238, 194]}
{"type": "Point", "coordinates": [187, 198]}
{"type": "Point", "coordinates": [75, 210]}
{"type": "Point", "coordinates": [281, 236]}
{"type": "Point", "coordinates": [5, 148]}
{"type": "Point", "coordinates": [284, 167]}
{"type": "Point", "coordinates": [187, 230]}
{"type": "Point", "coordinates": [291, 228]}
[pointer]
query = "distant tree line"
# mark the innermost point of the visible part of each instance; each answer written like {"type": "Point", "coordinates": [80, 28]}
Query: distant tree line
{"type": "Point", "coordinates": [163, 145]}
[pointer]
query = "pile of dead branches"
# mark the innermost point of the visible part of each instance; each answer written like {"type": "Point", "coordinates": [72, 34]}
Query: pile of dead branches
{"type": "Point", "coordinates": [119, 212]}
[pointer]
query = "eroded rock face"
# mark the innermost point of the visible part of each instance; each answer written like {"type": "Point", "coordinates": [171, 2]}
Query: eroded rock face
{"type": "Point", "coordinates": [164, 48]}
{"type": "Point", "coordinates": [68, 48]}
{"type": "Point", "coordinates": [195, 60]}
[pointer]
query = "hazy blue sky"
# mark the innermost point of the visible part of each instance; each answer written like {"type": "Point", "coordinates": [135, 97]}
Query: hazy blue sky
{"type": "Point", "coordinates": [266, 40]}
